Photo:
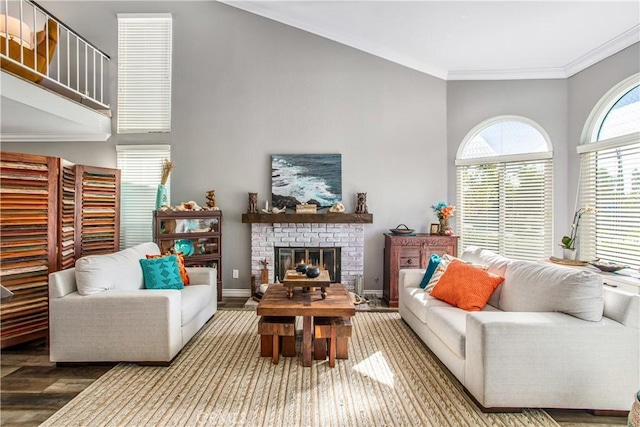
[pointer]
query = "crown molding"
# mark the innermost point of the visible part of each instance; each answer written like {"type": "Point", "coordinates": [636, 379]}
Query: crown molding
{"type": "Point", "coordinates": [607, 49]}
{"type": "Point", "coordinates": [613, 46]}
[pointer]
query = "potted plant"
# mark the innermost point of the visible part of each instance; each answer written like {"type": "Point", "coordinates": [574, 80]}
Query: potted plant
{"type": "Point", "coordinates": [568, 243]}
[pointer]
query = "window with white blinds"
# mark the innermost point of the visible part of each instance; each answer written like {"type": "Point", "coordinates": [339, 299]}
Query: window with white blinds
{"type": "Point", "coordinates": [610, 177]}
{"type": "Point", "coordinates": [140, 173]}
{"type": "Point", "coordinates": [505, 204]}
{"type": "Point", "coordinates": [144, 72]}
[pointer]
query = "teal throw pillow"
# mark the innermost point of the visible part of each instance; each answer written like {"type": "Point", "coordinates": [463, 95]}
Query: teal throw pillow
{"type": "Point", "coordinates": [434, 262]}
{"type": "Point", "coordinates": [161, 273]}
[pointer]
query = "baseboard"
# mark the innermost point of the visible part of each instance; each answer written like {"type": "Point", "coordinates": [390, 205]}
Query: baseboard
{"type": "Point", "coordinates": [377, 293]}
{"type": "Point", "coordinates": [236, 292]}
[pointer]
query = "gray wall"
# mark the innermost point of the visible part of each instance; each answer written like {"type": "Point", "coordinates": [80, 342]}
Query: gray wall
{"type": "Point", "coordinates": [245, 87]}
{"type": "Point", "coordinates": [561, 107]}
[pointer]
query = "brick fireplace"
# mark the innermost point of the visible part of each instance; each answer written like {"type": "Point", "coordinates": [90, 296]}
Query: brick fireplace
{"type": "Point", "coordinates": [265, 237]}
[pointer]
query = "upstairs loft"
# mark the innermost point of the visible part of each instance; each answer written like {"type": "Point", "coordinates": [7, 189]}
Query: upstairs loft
{"type": "Point", "coordinates": [54, 83]}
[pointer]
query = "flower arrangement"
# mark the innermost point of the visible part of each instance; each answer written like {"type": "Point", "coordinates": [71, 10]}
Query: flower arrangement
{"type": "Point", "coordinates": [568, 242]}
{"type": "Point", "coordinates": [443, 210]}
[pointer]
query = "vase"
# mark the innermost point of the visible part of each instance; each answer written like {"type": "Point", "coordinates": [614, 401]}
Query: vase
{"type": "Point", "coordinates": [161, 197]}
{"type": "Point", "coordinates": [444, 226]}
{"type": "Point", "coordinates": [568, 253]}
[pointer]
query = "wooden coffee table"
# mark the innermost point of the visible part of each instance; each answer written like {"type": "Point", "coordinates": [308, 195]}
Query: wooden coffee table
{"type": "Point", "coordinates": [337, 303]}
{"type": "Point", "coordinates": [293, 279]}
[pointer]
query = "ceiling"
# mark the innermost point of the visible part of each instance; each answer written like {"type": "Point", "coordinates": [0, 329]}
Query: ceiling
{"type": "Point", "coordinates": [469, 40]}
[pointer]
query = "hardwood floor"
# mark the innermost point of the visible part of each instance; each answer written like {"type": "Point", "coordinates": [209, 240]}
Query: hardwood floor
{"type": "Point", "coordinates": [32, 388]}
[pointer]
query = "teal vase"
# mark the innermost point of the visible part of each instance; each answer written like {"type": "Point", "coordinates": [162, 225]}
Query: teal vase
{"type": "Point", "coordinates": [161, 196]}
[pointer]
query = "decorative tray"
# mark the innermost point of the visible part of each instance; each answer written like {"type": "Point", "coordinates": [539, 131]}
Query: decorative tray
{"type": "Point", "coordinates": [576, 263]}
{"type": "Point", "coordinates": [398, 230]}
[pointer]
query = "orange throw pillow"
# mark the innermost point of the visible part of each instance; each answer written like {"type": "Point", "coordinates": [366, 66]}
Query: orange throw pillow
{"type": "Point", "coordinates": [466, 286]}
{"type": "Point", "coordinates": [181, 267]}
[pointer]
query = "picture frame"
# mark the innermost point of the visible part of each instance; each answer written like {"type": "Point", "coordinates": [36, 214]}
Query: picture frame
{"type": "Point", "coordinates": [434, 229]}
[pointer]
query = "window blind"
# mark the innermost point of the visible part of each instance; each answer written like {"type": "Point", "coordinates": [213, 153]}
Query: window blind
{"type": "Point", "coordinates": [140, 172]}
{"type": "Point", "coordinates": [144, 73]}
{"type": "Point", "coordinates": [507, 207]}
{"type": "Point", "coordinates": [610, 182]}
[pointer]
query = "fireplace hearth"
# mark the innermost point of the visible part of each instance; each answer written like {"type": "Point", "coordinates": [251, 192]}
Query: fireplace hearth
{"type": "Point", "coordinates": [345, 242]}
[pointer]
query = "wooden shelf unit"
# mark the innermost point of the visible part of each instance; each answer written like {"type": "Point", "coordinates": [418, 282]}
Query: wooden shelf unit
{"type": "Point", "coordinates": [28, 247]}
{"type": "Point", "coordinates": [202, 228]}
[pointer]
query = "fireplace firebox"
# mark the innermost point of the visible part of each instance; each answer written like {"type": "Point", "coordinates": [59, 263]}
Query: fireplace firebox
{"type": "Point", "coordinates": [325, 258]}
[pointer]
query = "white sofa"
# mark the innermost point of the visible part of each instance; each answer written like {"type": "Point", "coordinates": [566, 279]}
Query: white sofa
{"type": "Point", "coordinates": [540, 358]}
{"type": "Point", "coordinates": [108, 315]}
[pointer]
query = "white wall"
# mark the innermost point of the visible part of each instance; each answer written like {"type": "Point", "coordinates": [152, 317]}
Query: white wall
{"type": "Point", "coordinates": [245, 87]}
{"type": "Point", "coordinates": [561, 107]}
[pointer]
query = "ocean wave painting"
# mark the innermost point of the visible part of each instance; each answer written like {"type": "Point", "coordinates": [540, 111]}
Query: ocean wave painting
{"type": "Point", "coordinates": [306, 178]}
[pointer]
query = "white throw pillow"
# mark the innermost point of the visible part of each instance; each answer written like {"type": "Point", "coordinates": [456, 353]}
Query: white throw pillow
{"type": "Point", "coordinates": [536, 287]}
{"type": "Point", "coordinates": [119, 270]}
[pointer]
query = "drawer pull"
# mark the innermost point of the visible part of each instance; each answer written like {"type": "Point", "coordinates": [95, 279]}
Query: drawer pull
{"type": "Point", "coordinates": [409, 261]}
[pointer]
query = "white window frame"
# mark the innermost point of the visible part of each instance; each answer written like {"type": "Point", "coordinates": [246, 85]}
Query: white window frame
{"type": "Point", "coordinates": [144, 72]}
{"type": "Point", "coordinates": [138, 189]}
{"type": "Point", "coordinates": [503, 163]}
{"type": "Point", "coordinates": [588, 149]}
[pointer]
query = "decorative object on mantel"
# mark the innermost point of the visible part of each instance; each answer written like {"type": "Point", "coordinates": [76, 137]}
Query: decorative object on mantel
{"type": "Point", "coordinates": [568, 243]}
{"type": "Point", "coordinates": [278, 211]}
{"type": "Point", "coordinates": [264, 273]}
{"type": "Point", "coordinates": [266, 208]}
{"type": "Point", "coordinates": [337, 208]}
{"type": "Point", "coordinates": [305, 208]}
{"type": "Point", "coordinates": [211, 201]}
{"type": "Point", "coordinates": [253, 203]}
{"type": "Point", "coordinates": [402, 231]}
{"type": "Point", "coordinates": [361, 206]}
{"type": "Point", "coordinates": [443, 211]}
{"type": "Point", "coordinates": [306, 178]}
{"type": "Point", "coordinates": [161, 194]}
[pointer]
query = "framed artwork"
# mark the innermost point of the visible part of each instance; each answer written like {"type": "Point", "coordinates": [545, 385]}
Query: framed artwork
{"type": "Point", "coordinates": [306, 178]}
{"type": "Point", "coordinates": [434, 229]}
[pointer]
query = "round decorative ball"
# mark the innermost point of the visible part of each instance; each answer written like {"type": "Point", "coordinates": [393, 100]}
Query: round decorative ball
{"type": "Point", "coordinates": [313, 272]}
{"type": "Point", "coordinates": [301, 268]}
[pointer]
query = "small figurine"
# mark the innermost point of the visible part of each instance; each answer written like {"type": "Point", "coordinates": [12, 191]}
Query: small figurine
{"type": "Point", "coordinates": [338, 207]}
{"type": "Point", "coordinates": [361, 207]}
{"type": "Point", "coordinates": [211, 198]}
{"type": "Point", "coordinates": [277, 211]}
{"type": "Point", "coordinates": [266, 208]}
{"type": "Point", "coordinates": [253, 203]}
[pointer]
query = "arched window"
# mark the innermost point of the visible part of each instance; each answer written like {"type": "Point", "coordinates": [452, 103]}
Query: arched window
{"type": "Point", "coordinates": [610, 177]}
{"type": "Point", "coordinates": [504, 168]}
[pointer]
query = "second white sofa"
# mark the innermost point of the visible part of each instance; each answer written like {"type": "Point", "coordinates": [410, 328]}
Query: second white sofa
{"type": "Point", "coordinates": [117, 319]}
{"type": "Point", "coordinates": [539, 358]}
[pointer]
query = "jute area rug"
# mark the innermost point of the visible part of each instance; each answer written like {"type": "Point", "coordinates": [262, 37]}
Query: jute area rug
{"type": "Point", "coordinates": [219, 378]}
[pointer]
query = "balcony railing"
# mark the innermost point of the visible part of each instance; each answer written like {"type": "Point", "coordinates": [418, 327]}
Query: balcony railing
{"type": "Point", "coordinates": [39, 47]}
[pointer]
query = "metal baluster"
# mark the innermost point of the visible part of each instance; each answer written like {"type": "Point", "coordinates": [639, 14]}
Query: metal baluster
{"type": "Point", "coordinates": [94, 73]}
{"type": "Point", "coordinates": [68, 60]}
{"type": "Point", "coordinates": [77, 63]}
{"type": "Point", "coordinates": [86, 70]}
{"type": "Point", "coordinates": [101, 78]}
{"type": "Point", "coordinates": [21, 36]}
{"type": "Point", "coordinates": [6, 27]}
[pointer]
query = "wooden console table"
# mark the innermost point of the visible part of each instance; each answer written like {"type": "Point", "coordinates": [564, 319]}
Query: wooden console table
{"type": "Point", "coordinates": [411, 252]}
{"type": "Point", "coordinates": [308, 305]}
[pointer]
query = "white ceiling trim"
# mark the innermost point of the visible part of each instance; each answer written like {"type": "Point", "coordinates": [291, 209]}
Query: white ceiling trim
{"type": "Point", "coordinates": [607, 49]}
